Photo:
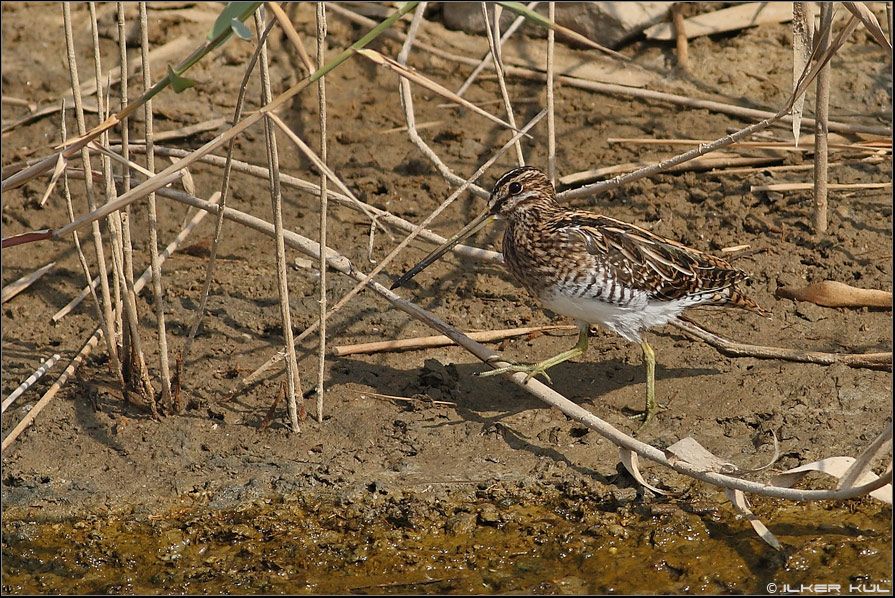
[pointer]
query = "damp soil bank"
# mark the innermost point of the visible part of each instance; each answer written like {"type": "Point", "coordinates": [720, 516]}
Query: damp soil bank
{"type": "Point", "coordinates": [486, 489]}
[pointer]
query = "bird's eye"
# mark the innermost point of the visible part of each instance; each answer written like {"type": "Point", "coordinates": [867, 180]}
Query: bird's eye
{"type": "Point", "coordinates": [515, 188]}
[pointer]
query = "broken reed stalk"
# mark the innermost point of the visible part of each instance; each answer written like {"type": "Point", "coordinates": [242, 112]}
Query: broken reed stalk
{"type": "Point", "coordinates": [551, 116]}
{"type": "Point", "coordinates": [498, 70]}
{"type": "Point", "coordinates": [431, 342]}
{"type": "Point", "coordinates": [157, 292]}
{"type": "Point", "coordinates": [680, 37]}
{"type": "Point", "coordinates": [293, 381]}
{"type": "Point", "coordinates": [546, 394]}
{"type": "Point", "coordinates": [105, 306]}
{"type": "Point", "coordinates": [16, 287]}
{"type": "Point", "coordinates": [321, 103]}
{"type": "Point", "coordinates": [822, 117]}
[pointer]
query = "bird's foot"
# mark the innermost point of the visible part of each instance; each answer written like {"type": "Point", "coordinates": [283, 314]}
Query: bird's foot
{"type": "Point", "coordinates": [532, 370]}
{"type": "Point", "coordinates": [647, 414]}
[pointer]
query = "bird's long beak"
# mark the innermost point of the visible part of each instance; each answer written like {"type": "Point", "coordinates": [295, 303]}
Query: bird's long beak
{"type": "Point", "coordinates": [480, 221]}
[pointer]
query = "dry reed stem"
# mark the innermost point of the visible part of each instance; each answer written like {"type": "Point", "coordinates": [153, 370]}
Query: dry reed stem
{"type": "Point", "coordinates": [822, 116]}
{"type": "Point", "coordinates": [219, 221]}
{"type": "Point", "coordinates": [498, 70]}
{"type": "Point", "coordinates": [680, 37]}
{"type": "Point", "coordinates": [45, 366]}
{"type": "Point", "coordinates": [376, 395]}
{"type": "Point", "coordinates": [806, 186]}
{"type": "Point", "coordinates": [16, 287]}
{"type": "Point", "coordinates": [489, 56]}
{"type": "Point", "coordinates": [381, 215]}
{"type": "Point", "coordinates": [104, 307]}
{"type": "Point", "coordinates": [293, 381]}
{"type": "Point", "coordinates": [385, 261]}
{"type": "Point", "coordinates": [533, 386]}
{"type": "Point", "coordinates": [157, 292]}
{"type": "Point", "coordinates": [286, 25]}
{"type": "Point", "coordinates": [879, 361]}
{"type": "Point", "coordinates": [551, 116]}
{"type": "Point", "coordinates": [321, 102]}
{"type": "Point", "coordinates": [431, 342]}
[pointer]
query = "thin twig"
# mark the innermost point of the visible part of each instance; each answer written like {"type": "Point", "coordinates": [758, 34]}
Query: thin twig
{"type": "Point", "coordinates": [822, 115]}
{"type": "Point", "coordinates": [321, 102]}
{"type": "Point", "coordinates": [806, 186]}
{"type": "Point", "coordinates": [376, 395]}
{"type": "Point", "coordinates": [286, 26]}
{"type": "Point", "coordinates": [498, 69]}
{"type": "Point", "coordinates": [680, 36]}
{"type": "Point", "coordinates": [293, 381]}
{"type": "Point", "coordinates": [158, 295]}
{"type": "Point", "coordinates": [551, 115]}
{"type": "Point", "coordinates": [430, 342]}
{"type": "Point", "coordinates": [882, 361]}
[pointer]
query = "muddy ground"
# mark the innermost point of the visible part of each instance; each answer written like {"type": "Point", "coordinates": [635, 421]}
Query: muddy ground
{"type": "Point", "coordinates": [89, 454]}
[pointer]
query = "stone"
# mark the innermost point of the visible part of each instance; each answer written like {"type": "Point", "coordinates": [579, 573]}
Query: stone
{"type": "Point", "coordinates": [607, 23]}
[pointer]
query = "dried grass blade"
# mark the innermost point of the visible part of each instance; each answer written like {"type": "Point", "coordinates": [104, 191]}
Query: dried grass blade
{"type": "Point", "coordinates": [738, 499]}
{"type": "Point", "coordinates": [802, 36]}
{"type": "Point", "coordinates": [45, 367]}
{"type": "Point", "coordinates": [836, 467]}
{"type": "Point", "coordinates": [866, 16]}
{"type": "Point", "coordinates": [632, 463]}
{"type": "Point", "coordinates": [861, 467]}
{"type": "Point", "coordinates": [423, 81]}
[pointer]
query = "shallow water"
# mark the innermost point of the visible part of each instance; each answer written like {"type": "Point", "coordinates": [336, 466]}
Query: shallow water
{"type": "Point", "coordinates": [483, 548]}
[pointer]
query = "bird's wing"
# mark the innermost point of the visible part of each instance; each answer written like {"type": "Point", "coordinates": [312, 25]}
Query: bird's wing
{"type": "Point", "coordinates": [661, 267]}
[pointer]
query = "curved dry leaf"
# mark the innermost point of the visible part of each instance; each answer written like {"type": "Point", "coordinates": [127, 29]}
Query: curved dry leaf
{"type": "Point", "coordinates": [866, 16]}
{"type": "Point", "coordinates": [830, 293]}
{"type": "Point", "coordinates": [802, 36]}
{"type": "Point", "coordinates": [631, 462]}
{"type": "Point", "coordinates": [861, 465]}
{"type": "Point", "coordinates": [835, 467]}
{"type": "Point", "coordinates": [690, 451]}
{"type": "Point", "coordinates": [738, 499]}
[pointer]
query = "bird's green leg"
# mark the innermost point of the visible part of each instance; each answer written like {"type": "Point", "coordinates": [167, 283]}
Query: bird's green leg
{"type": "Point", "coordinates": [652, 406]}
{"type": "Point", "coordinates": [540, 368]}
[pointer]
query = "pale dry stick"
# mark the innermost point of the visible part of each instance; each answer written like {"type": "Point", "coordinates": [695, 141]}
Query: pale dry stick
{"type": "Point", "coordinates": [105, 306]}
{"type": "Point", "coordinates": [822, 117]}
{"type": "Point", "coordinates": [158, 296]}
{"type": "Point", "coordinates": [293, 381]}
{"type": "Point", "coordinates": [806, 186]}
{"type": "Point", "coordinates": [489, 56]}
{"type": "Point", "coordinates": [680, 37]}
{"type": "Point", "coordinates": [498, 70]}
{"type": "Point", "coordinates": [410, 117]}
{"type": "Point", "coordinates": [531, 385]}
{"type": "Point", "coordinates": [169, 174]}
{"type": "Point", "coordinates": [16, 287]}
{"type": "Point", "coordinates": [114, 220]}
{"type": "Point", "coordinates": [321, 101]}
{"type": "Point", "coordinates": [864, 460]}
{"type": "Point", "coordinates": [326, 170]}
{"type": "Point", "coordinates": [48, 396]}
{"type": "Point", "coordinates": [385, 261]}
{"type": "Point", "coordinates": [219, 221]}
{"type": "Point", "coordinates": [727, 347]}
{"type": "Point", "coordinates": [760, 169]}
{"type": "Point", "coordinates": [551, 106]}
{"type": "Point", "coordinates": [343, 200]}
{"type": "Point", "coordinates": [431, 342]}
{"type": "Point", "coordinates": [45, 366]}
{"type": "Point", "coordinates": [376, 395]}
{"type": "Point", "coordinates": [808, 76]}
{"type": "Point", "coordinates": [286, 25]}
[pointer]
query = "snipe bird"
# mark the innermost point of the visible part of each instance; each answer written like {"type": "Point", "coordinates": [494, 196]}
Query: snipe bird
{"type": "Point", "coordinates": [597, 270]}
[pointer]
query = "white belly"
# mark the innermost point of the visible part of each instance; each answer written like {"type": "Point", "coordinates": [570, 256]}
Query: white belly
{"type": "Point", "coordinates": [628, 321]}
